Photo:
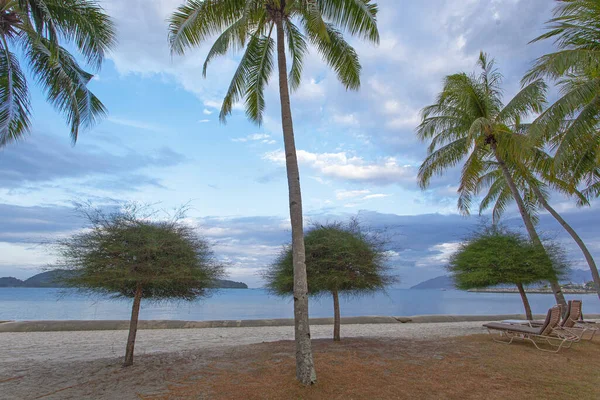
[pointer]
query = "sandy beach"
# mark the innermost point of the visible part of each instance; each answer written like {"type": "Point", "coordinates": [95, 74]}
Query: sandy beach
{"type": "Point", "coordinates": [86, 364]}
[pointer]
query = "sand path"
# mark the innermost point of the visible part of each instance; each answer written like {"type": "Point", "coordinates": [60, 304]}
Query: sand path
{"type": "Point", "coordinates": [78, 365]}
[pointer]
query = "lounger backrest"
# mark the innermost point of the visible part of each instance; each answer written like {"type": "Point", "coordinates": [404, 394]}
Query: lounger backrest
{"type": "Point", "coordinates": [573, 315]}
{"type": "Point", "coordinates": [552, 320]}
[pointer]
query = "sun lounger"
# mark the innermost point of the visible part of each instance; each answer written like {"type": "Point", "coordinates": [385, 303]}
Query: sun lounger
{"type": "Point", "coordinates": [546, 333]}
{"type": "Point", "coordinates": [573, 322]}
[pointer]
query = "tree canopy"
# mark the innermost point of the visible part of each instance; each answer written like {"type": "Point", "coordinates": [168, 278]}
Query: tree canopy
{"type": "Point", "coordinates": [339, 257]}
{"type": "Point", "coordinates": [495, 255]}
{"type": "Point", "coordinates": [124, 248]}
{"type": "Point", "coordinates": [43, 30]}
{"type": "Point", "coordinates": [250, 25]}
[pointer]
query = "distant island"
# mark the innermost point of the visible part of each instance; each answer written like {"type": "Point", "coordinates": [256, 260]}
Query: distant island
{"type": "Point", "coordinates": [52, 279]}
{"type": "Point", "coordinates": [440, 282]}
{"type": "Point", "coordinates": [574, 283]}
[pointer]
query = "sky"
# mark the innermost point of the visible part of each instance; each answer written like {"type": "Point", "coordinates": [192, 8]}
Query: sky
{"type": "Point", "coordinates": [162, 142]}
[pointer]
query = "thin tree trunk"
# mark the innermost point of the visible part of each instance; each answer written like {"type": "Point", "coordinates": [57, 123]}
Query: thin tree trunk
{"type": "Point", "coordinates": [133, 323]}
{"type": "Point", "coordinates": [574, 235]}
{"type": "Point", "coordinates": [558, 294]}
{"type": "Point", "coordinates": [305, 369]}
{"type": "Point", "coordinates": [528, 314]}
{"type": "Point", "coordinates": [336, 316]}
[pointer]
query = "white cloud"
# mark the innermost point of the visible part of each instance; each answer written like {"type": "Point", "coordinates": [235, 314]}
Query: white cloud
{"type": "Point", "coordinates": [349, 194]}
{"type": "Point", "coordinates": [257, 137]}
{"type": "Point", "coordinates": [376, 196]}
{"type": "Point", "coordinates": [443, 252]}
{"type": "Point", "coordinates": [341, 166]}
{"type": "Point", "coordinates": [206, 111]}
{"type": "Point", "coordinates": [135, 124]}
{"type": "Point", "coordinates": [345, 119]}
{"type": "Point", "coordinates": [203, 121]}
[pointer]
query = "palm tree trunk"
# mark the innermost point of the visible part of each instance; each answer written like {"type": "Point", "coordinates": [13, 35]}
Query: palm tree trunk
{"type": "Point", "coordinates": [336, 316]}
{"type": "Point", "coordinates": [533, 235]}
{"type": "Point", "coordinates": [528, 314]}
{"type": "Point", "coordinates": [133, 323]}
{"type": "Point", "coordinates": [574, 235]}
{"type": "Point", "coordinates": [305, 369]}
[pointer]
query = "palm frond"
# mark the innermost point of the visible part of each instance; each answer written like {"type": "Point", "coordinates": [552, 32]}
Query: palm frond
{"type": "Point", "coordinates": [14, 98]}
{"type": "Point", "coordinates": [339, 55]}
{"type": "Point", "coordinates": [197, 20]}
{"type": "Point", "coordinates": [530, 99]}
{"type": "Point", "coordinates": [297, 47]}
{"type": "Point", "coordinates": [65, 84]}
{"type": "Point", "coordinates": [239, 82]}
{"type": "Point", "coordinates": [260, 68]}
{"type": "Point", "coordinates": [358, 17]}
{"type": "Point", "coordinates": [438, 161]}
{"type": "Point", "coordinates": [85, 23]}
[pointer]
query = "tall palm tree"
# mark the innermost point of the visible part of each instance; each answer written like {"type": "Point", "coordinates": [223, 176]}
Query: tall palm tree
{"type": "Point", "coordinates": [469, 120]}
{"type": "Point", "coordinates": [571, 123]}
{"type": "Point", "coordinates": [38, 29]}
{"type": "Point", "coordinates": [534, 189]}
{"type": "Point", "coordinates": [262, 28]}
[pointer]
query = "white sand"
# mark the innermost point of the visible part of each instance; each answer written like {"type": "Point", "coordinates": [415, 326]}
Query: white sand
{"type": "Point", "coordinates": [36, 364]}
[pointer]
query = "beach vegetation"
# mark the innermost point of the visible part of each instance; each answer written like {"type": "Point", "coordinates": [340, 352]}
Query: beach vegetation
{"type": "Point", "coordinates": [341, 258]}
{"type": "Point", "coordinates": [130, 253]}
{"type": "Point", "coordinates": [495, 255]}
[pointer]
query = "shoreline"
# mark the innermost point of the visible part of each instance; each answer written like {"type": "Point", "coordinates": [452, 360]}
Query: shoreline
{"type": "Point", "coordinates": [532, 291]}
{"type": "Point", "coordinates": [120, 325]}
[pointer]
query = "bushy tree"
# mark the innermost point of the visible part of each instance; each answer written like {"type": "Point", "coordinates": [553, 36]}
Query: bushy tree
{"type": "Point", "coordinates": [340, 258]}
{"type": "Point", "coordinates": [494, 255]}
{"type": "Point", "coordinates": [130, 254]}
{"type": "Point", "coordinates": [43, 31]}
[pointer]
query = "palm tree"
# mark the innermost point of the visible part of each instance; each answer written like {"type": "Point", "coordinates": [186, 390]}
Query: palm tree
{"type": "Point", "coordinates": [470, 121]}
{"type": "Point", "coordinates": [571, 123]}
{"type": "Point", "coordinates": [39, 28]}
{"type": "Point", "coordinates": [534, 190]}
{"type": "Point", "coordinates": [262, 28]}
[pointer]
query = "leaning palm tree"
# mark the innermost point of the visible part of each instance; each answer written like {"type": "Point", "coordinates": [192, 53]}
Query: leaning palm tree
{"type": "Point", "coordinates": [571, 123]}
{"type": "Point", "coordinates": [534, 189]}
{"type": "Point", "coordinates": [469, 121]}
{"type": "Point", "coordinates": [39, 29]}
{"type": "Point", "coordinates": [262, 28]}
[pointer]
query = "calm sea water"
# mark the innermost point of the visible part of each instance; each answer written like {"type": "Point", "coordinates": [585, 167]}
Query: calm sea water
{"type": "Point", "coordinates": [61, 304]}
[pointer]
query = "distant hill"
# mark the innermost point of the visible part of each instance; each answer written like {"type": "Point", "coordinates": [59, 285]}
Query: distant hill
{"type": "Point", "coordinates": [578, 276]}
{"type": "Point", "coordinates": [440, 282]}
{"type": "Point", "coordinates": [52, 279]}
{"type": "Point", "coordinates": [9, 281]}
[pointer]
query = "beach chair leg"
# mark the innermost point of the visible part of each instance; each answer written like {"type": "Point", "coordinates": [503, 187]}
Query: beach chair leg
{"type": "Point", "coordinates": [501, 335]}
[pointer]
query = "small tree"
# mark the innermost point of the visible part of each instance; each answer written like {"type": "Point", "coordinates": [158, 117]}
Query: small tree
{"type": "Point", "coordinates": [495, 256]}
{"type": "Point", "coordinates": [128, 253]}
{"type": "Point", "coordinates": [339, 258]}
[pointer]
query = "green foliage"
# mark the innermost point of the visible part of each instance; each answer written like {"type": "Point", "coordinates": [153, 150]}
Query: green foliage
{"type": "Point", "coordinates": [127, 248]}
{"type": "Point", "coordinates": [470, 124]}
{"type": "Point", "coordinates": [339, 257]}
{"type": "Point", "coordinates": [570, 125]}
{"type": "Point", "coordinates": [249, 25]}
{"type": "Point", "coordinates": [40, 28]}
{"type": "Point", "coordinates": [495, 256]}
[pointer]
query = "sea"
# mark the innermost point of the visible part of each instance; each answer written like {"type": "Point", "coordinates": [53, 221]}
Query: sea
{"type": "Point", "coordinates": [23, 304]}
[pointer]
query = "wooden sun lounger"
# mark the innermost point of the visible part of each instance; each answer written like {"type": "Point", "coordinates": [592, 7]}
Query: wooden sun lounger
{"type": "Point", "coordinates": [547, 333]}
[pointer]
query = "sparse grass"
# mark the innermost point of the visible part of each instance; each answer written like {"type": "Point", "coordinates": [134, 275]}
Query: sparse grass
{"type": "Point", "coordinates": [470, 367]}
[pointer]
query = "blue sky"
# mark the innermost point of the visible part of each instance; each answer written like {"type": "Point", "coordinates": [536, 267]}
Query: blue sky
{"type": "Point", "coordinates": [162, 141]}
